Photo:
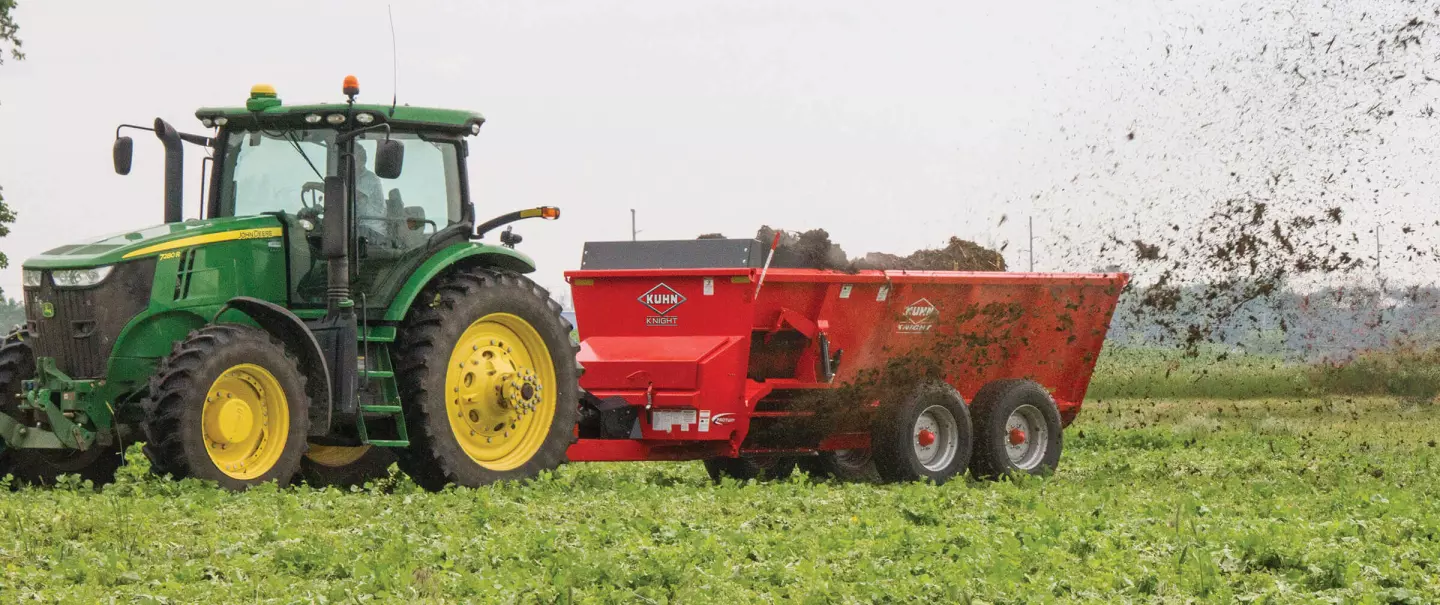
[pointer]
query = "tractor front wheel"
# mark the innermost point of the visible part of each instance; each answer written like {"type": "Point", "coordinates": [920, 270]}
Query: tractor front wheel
{"type": "Point", "coordinates": [488, 381]}
{"type": "Point", "coordinates": [228, 405]}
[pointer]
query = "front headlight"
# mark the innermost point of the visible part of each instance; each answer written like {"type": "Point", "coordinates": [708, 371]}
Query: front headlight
{"type": "Point", "coordinates": [80, 278]}
{"type": "Point", "coordinates": [33, 278]}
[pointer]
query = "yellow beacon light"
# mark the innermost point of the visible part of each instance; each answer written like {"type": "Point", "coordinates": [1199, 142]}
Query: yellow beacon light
{"type": "Point", "coordinates": [262, 97]}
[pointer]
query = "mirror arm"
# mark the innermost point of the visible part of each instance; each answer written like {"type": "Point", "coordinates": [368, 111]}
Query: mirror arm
{"type": "Point", "coordinates": [124, 126]}
{"type": "Point", "coordinates": [196, 139]}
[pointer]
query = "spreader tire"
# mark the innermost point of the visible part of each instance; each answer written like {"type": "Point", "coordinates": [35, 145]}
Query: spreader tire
{"type": "Point", "coordinates": [341, 466]}
{"type": "Point", "coordinates": [849, 465]}
{"type": "Point", "coordinates": [1017, 429]}
{"type": "Point", "coordinates": [228, 405]}
{"type": "Point", "coordinates": [37, 466]}
{"type": "Point", "coordinates": [927, 436]}
{"type": "Point", "coordinates": [764, 468]}
{"type": "Point", "coordinates": [488, 381]}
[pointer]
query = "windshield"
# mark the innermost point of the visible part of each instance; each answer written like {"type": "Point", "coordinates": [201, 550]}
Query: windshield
{"type": "Point", "coordinates": [269, 171]}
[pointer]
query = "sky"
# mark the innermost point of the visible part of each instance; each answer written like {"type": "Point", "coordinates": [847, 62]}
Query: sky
{"type": "Point", "coordinates": [893, 126]}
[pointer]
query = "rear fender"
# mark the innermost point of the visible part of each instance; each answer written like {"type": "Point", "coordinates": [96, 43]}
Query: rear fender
{"type": "Point", "coordinates": [298, 339]}
{"type": "Point", "coordinates": [466, 254]}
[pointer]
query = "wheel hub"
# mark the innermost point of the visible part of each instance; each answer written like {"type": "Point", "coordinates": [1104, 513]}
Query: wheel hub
{"type": "Point", "coordinates": [235, 420]}
{"type": "Point", "coordinates": [936, 438]}
{"type": "Point", "coordinates": [496, 388]}
{"type": "Point", "coordinates": [1017, 436]}
{"type": "Point", "coordinates": [1026, 437]}
{"type": "Point", "coordinates": [244, 421]}
{"type": "Point", "coordinates": [926, 438]}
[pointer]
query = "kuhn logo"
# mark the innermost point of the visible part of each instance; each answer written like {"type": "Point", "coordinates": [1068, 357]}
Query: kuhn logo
{"type": "Point", "coordinates": [661, 299]}
{"type": "Point", "coordinates": [920, 316]}
{"type": "Point", "coordinates": [722, 419]}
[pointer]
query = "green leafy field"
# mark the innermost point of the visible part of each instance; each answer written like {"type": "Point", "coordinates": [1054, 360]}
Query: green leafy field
{"type": "Point", "coordinates": [1301, 500]}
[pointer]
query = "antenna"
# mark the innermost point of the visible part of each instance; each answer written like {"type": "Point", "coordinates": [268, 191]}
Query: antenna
{"type": "Point", "coordinates": [394, 69]}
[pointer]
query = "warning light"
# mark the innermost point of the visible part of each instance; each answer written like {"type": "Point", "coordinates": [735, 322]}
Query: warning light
{"type": "Point", "coordinates": [549, 212]}
{"type": "Point", "coordinates": [351, 86]}
{"type": "Point", "coordinates": [262, 97]}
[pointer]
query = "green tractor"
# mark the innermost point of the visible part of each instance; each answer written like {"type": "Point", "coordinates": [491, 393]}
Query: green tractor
{"type": "Point", "coordinates": [331, 311]}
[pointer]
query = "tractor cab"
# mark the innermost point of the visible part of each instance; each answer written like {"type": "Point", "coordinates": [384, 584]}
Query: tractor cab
{"type": "Point", "coordinates": [407, 199]}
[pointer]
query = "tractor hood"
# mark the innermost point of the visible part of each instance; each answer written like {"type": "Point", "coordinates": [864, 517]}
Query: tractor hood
{"type": "Point", "coordinates": [155, 240]}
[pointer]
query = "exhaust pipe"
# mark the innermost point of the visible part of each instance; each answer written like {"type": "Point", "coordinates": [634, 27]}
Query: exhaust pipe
{"type": "Point", "coordinates": [174, 170]}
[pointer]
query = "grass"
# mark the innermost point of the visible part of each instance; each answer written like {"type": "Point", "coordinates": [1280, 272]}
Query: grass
{"type": "Point", "coordinates": [1161, 500]}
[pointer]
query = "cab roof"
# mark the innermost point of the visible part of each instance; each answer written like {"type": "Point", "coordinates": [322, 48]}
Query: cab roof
{"type": "Point", "coordinates": [457, 121]}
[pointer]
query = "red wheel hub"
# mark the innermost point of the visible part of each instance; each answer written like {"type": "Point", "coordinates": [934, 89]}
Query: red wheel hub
{"type": "Point", "coordinates": [926, 438]}
{"type": "Point", "coordinates": [1017, 436]}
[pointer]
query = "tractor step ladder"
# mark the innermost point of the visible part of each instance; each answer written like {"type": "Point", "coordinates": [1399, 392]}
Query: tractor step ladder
{"type": "Point", "coordinates": [378, 372]}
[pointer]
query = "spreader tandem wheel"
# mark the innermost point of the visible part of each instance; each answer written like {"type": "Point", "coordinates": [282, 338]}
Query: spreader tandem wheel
{"type": "Point", "coordinates": [1017, 429]}
{"type": "Point", "coordinates": [764, 468]}
{"type": "Point", "coordinates": [229, 405]}
{"type": "Point", "coordinates": [488, 379]}
{"type": "Point", "coordinates": [927, 436]}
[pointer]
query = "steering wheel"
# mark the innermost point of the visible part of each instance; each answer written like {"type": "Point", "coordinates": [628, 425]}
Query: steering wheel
{"type": "Point", "coordinates": [312, 205]}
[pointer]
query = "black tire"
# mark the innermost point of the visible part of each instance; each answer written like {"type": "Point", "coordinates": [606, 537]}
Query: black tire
{"type": "Point", "coordinates": [17, 364]}
{"type": "Point", "coordinates": [764, 468]}
{"type": "Point", "coordinates": [855, 466]}
{"type": "Point", "coordinates": [36, 466]}
{"type": "Point", "coordinates": [428, 338]}
{"type": "Point", "coordinates": [993, 406]}
{"type": "Point", "coordinates": [44, 467]}
{"type": "Point", "coordinates": [897, 429]}
{"type": "Point", "coordinates": [176, 441]}
{"type": "Point", "coordinates": [321, 471]}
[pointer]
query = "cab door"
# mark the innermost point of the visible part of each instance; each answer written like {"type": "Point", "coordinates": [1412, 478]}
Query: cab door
{"type": "Point", "coordinates": [400, 222]}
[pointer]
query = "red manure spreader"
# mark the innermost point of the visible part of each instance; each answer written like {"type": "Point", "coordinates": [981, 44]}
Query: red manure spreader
{"type": "Point", "coordinates": [703, 350]}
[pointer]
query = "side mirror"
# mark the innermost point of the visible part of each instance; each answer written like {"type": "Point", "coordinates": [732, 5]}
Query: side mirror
{"type": "Point", "coordinates": [123, 153]}
{"type": "Point", "coordinates": [335, 239]}
{"type": "Point", "coordinates": [389, 158]}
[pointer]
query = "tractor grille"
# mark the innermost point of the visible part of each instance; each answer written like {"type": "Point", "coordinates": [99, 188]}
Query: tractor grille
{"type": "Point", "coordinates": [85, 322]}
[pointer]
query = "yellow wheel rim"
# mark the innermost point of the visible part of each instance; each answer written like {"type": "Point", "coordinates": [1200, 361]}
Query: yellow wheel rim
{"type": "Point", "coordinates": [500, 391]}
{"type": "Point", "coordinates": [245, 421]}
{"type": "Point", "coordinates": [335, 455]}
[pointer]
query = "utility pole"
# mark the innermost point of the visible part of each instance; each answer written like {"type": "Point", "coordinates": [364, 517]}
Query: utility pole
{"type": "Point", "coordinates": [1377, 249]}
{"type": "Point", "coordinates": [634, 233]}
{"type": "Point", "coordinates": [1031, 248]}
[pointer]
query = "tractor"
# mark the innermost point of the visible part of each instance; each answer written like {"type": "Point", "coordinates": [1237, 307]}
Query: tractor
{"type": "Point", "coordinates": [332, 310]}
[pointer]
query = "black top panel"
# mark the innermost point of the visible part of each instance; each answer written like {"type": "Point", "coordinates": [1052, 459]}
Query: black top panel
{"type": "Point", "coordinates": [674, 254]}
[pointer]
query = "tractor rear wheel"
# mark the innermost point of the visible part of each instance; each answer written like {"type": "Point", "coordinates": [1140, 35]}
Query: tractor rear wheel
{"type": "Point", "coordinates": [43, 467]}
{"type": "Point", "coordinates": [1017, 429]}
{"type": "Point", "coordinates": [228, 405]}
{"type": "Point", "coordinates": [927, 436]}
{"type": "Point", "coordinates": [764, 468]}
{"type": "Point", "coordinates": [488, 381]}
{"type": "Point", "coordinates": [342, 466]}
